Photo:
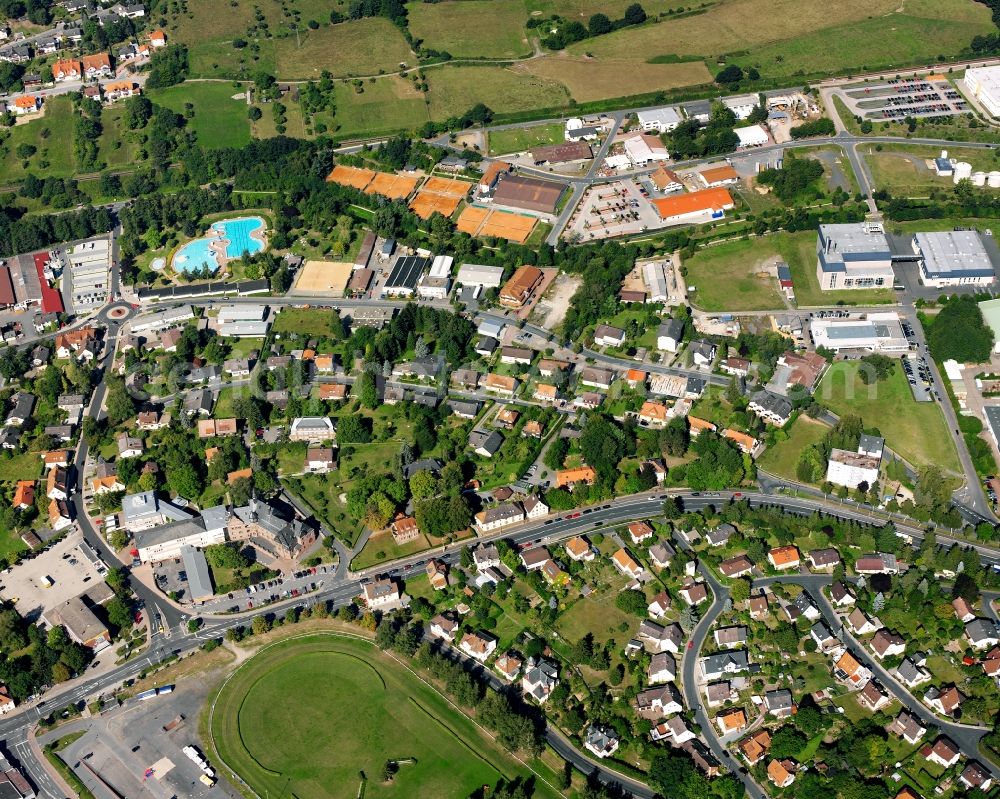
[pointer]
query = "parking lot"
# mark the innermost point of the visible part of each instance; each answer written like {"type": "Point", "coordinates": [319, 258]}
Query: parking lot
{"type": "Point", "coordinates": [65, 570]}
{"type": "Point", "coordinates": [933, 96]}
{"type": "Point", "coordinates": [918, 375]}
{"type": "Point", "coordinates": [127, 751]}
{"type": "Point", "coordinates": [621, 208]}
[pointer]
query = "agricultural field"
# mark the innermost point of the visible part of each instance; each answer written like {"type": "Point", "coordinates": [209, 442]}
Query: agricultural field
{"type": "Point", "coordinates": [51, 135]}
{"type": "Point", "coordinates": [264, 726]}
{"type": "Point", "coordinates": [385, 105]}
{"type": "Point", "coordinates": [218, 121]}
{"type": "Point", "coordinates": [733, 276]}
{"type": "Point", "coordinates": [455, 89]}
{"type": "Point", "coordinates": [915, 430]}
{"type": "Point", "coordinates": [471, 28]}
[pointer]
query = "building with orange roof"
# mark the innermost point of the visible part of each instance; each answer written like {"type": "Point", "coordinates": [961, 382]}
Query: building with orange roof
{"type": "Point", "coordinates": [518, 290]}
{"type": "Point", "coordinates": [96, 65]}
{"type": "Point", "coordinates": [56, 457]}
{"type": "Point", "coordinates": [756, 747]}
{"type": "Point", "coordinates": [545, 393]}
{"type": "Point", "coordinates": [848, 669]}
{"type": "Point", "coordinates": [24, 495]}
{"type": "Point", "coordinates": [324, 363]}
{"type": "Point", "coordinates": [626, 564]}
{"type": "Point", "coordinates": [333, 392]}
{"type": "Point", "coordinates": [66, 69]}
{"type": "Point", "coordinates": [579, 549]}
{"type": "Point", "coordinates": [27, 104]}
{"type": "Point", "coordinates": [653, 414]}
{"type": "Point", "coordinates": [746, 443]}
{"type": "Point", "coordinates": [639, 532]}
{"type": "Point", "coordinates": [570, 477]}
{"type": "Point", "coordinates": [696, 426]}
{"type": "Point", "coordinates": [907, 793]}
{"type": "Point", "coordinates": [786, 557]}
{"type": "Point", "coordinates": [106, 484]}
{"type": "Point", "coordinates": [635, 377]}
{"type": "Point", "coordinates": [698, 206]}
{"type": "Point", "coordinates": [781, 772]}
{"type": "Point", "coordinates": [120, 90]}
{"type": "Point", "coordinates": [718, 176]}
{"type": "Point", "coordinates": [532, 429]}
{"type": "Point", "coordinates": [666, 179]}
{"type": "Point", "coordinates": [210, 453]}
{"type": "Point", "coordinates": [501, 384]}
{"type": "Point", "coordinates": [731, 721]}
{"type": "Point", "coordinates": [490, 177]}
{"type": "Point", "coordinates": [158, 39]}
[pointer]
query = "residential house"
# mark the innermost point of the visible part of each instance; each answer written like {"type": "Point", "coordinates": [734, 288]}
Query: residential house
{"type": "Point", "coordinates": [944, 752]}
{"type": "Point", "coordinates": [217, 428]}
{"type": "Point", "coordinates": [657, 638]}
{"type": "Point", "coordinates": [56, 458]}
{"type": "Point", "coordinates": [669, 335]}
{"type": "Point", "coordinates": [545, 393]}
{"type": "Point", "coordinates": [881, 563]}
{"type": "Point", "coordinates": [860, 623]}
{"type": "Point", "coordinates": [770, 407]}
{"type": "Point", "coordinates": [596, 378]}
{"type": "Point", "coordinates": [945, 701]}
{"type": "Point", "coordinates": [758, 606]}
{"type": "Point", "coordinates": [782, 558]}
{"type": "Point", "coordinates": [736, 566]}
{"type": "Point", "coordinates": [974, 776]}
{"type": "Point", "coordinates": [579, 549]}
{"type": "Point", "coordinates": [673, 730]}
{"type": "Point", "coordinates": [639, 532]}
{"type": "Point", "coordinates": [731, 721]}
{"type": "Point", "coordinates": [97, 65]}
{"type": "Point", "coordinates": [60, 514]}
{"type": "Point", "coordinates": [719, 536]}
{"type": "Point", "coordinates": [736, 367]}
{"type": "Point", "coordinates": [730, 637]}
{"type": "Point", "coordinates": [601, 740]}
{"type": "Point", "coordinates": [445, 627]}
{"type": "Point", "coordinates": [849, 670]}
{"type": "Point", "coordinates": [320, 459]}
{"type": "Point", "coordinates": [841, 596]}
{"type": "Point", "coordinates": [129, 446]}
{"type": "Point", "coordinates": [485, 443]}
{"type": "Point", "coordinates": [779, 703]}
{"type": "Point", "coordinates": [718, 693]}
{"type": "Point", "coordinates": [24, 404]}
{"type": "Point", "coordinates": [655, 703]}
{"type": "Point", "coordinates": [534, 559]}
{"type": "Point", "coordinates": [693, 593]}
{"type": "Point", "coordinates": [963, 610]}
{"type": "Point", "coordinates": [499, 384]}
{"type": "Point", "coordinates": [404, 529]}
{"type": "Point", "coordinates": [982, 633]}
{"type": "Point", "coordinates": [534, 508]}
{"type": "Point", "coordinates": [312, 429]}
{"type": "Point", "coordinates": [755, 747]}
{"type": "Point", "coordinates": [887, 644]}
{"type": "Point", "coordinates": [781, 772]}
{"type": "Point", "coordinates": [627, 565]}
{"type": "Point", "coordinates": [821, 634]}
{"type": "Point", "coordinates": [702, 352]}
{"type": "Point", "coordinates": [804, 606]}
{"type": "Point", "coordinates": [608, 336]}
{"type": "Point", "coordinates": [659, 605]}
{"type": "Point", "coordinates": [567, 478]}
{"type": "Point", "coordinates": [873, 696]}
{"type": "Point", "coordinates": [653, 415]}
{"type": "Point", "coordinates": [721, 664]}
{"type": "Point", "coordinates": [498, 516]}
{"type": "Point", "coordinates": [908, 727]}
{"type": "Point", "coordinates": [24, 495]}
{"type": "Point", "coordinates": [508, 666]}
{"type": "Point", "coordinates": [478, 646]}
{"type": "Point", "coordinates": [57, 484]}
{"type": "Point", "coordinates": [911, 674]}
{"type": "Point", "coordinates": [823, 559]}
{"type": "Point", "coordinates": [540, 678]}
{"type": "Point", "coordinates": [486, 556]}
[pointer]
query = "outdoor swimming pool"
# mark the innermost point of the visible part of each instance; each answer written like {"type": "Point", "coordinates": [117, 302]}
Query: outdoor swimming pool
{"type": "Point", "coordinates": [235, 234]}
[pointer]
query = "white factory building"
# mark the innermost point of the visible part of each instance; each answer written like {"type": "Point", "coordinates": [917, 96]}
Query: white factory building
{"type": "Point", "coordinates": [983, 83]}
{"type": "Point", "coordinates": [436, 284]}
{"type": "Point", "coordinates": [854, 255]}
{"type": "Point", "coordinates": [953, 258]}
{"type": "Point", "coordinates": [876, 332]}
{"type": "Point", "coordinates": [742, 106]}
{"type": "Point", "coordinates": [643, 149]}
{"type": "Point", "coordinates": [752, 136]}
{"type": "Point", "coordinates": [89, 270]}
{"type": "Point", "coordinates": [485, 277]}
{"type": "Point", "coordinates": [662, 120]}
{"type": "Point", "coordinates": [242, 321]}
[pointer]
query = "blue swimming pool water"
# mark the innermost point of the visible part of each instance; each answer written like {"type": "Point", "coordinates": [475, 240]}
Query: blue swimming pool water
{"type": "Point", "coordinates": [197, 254]}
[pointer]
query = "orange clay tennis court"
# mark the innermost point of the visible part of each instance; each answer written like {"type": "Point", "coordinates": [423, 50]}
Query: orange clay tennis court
{"type": "Point", "coordinates": [395, 187]}
{"type": "Point", "coordinates": [426, 203]}
{"type": "Point", "coordinates": [500, 224]}
{"type": "Point", "coordinates": [447, 186]}
{"type": "Point", "coordinates": [350, 176]}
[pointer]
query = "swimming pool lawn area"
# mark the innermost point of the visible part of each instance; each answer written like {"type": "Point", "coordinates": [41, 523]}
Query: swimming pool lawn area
{"type": "Point", "coordinates": [238, 235]}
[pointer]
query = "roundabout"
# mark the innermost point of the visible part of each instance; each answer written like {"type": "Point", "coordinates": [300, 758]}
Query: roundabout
{"type": "Point", "coordinates": [305, 717]}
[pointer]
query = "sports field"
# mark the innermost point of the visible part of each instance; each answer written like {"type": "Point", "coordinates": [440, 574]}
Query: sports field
{"type": "Point", "coordinates": [306, 716]}
{"type": "Point", "coordinates": [916, 430]}
{"type": "Point", "coordinates": [516, 140]}
{"type": "Point", "coordinates": [324, 277]}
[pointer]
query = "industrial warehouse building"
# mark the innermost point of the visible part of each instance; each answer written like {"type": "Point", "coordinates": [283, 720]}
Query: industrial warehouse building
{"type": "Point", "coordinates": [876, 332]}
{"type": "Point", "coordinates": [698, 206]}
{"type": "Point", "coordinates": [528, 194]}
{"type": "Point", "coordinates": [853, 256]}
{"type": "Point", "coordinates": [487, 277]}
{"type": "Point", "coordinates": [983, 84]}
{"type": "Point", "coordinates": [662, 120]}
{"type": "Point", "coordinates": [243, 321]}
{"type": "Point", "coordinates": [436, 284]}
{"type": "Point", "coordinates": [405, 273]}
{"type": "Point", "coordinates": [953, 258]}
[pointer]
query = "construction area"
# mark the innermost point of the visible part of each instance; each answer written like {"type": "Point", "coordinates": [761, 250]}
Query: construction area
{"type": "Point", "coordinates": [329, 278]}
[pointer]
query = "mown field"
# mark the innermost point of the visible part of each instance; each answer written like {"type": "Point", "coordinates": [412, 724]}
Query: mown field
{"type": "Point", "coordinates": [269, 730]}
{"type": "Point", "coordinates": [52, 137]}
{"type": "Point", "coordinates": [733, 277]}
{"type": "Point", "coordinates": [915, 430]}
{"type": "Point", "coordinates": [218, 121]}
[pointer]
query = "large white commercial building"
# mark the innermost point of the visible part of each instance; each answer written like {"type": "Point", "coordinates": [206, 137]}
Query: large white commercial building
{"type": "Point", "coordinates": [89, 271]}
{"type": "Point", "coordinates": [752, 136]}
{"type": "Point", "coordinates": [161, 320]}
{"type": "Point", "coordinates": [243, 321]}
{"type": "Point", "coordinates": [643, 149]}
{"type": "Point", "coordinates": [983, 84]}
{"type": "Point", "coordinates": [877, 332]}
{"type": "Point", "coordinates": [953, 258]}
{"type": "Point", "coordinates": [742, 105]}
{"type": "Point", "coordinates": [487, 277]}
{"type": "Point", "coordinates": [662, 120]}
{"type": "Point", "coordinates": [854, 255]}
{"type": "Point", "coordinates": [166, 541]}
{"type": "Point", "coordinates": [436, 284]}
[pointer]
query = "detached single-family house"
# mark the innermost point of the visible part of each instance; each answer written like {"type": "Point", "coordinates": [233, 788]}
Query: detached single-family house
{"type": "Point", "coordinates": [601, 740]}
{"type": "Point", "coordinates": [944, 752]}
{"type": "Point", "coordinates": [779, 703]}
{"type": "Point", "coordinates": [540, 677]}
{"type": "Point", "coordinates": [782, 558]}
{"type": "Point", "coordinates": [478, 646]}
{"type": "Point", "coordinates": [445, 627]}
{"type": "Point", "coordinates": [887, 644]}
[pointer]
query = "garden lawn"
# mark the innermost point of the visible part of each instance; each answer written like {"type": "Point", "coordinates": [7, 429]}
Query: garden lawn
{"type": "Point", "coordinates": [732, 276]}
{"type": "Point", "coordinates": [218, 121]}
{"type": "Point", "coordinates": [515, 140]}
{"type": "Point", "coordinates": [382, 547]}
{"type": "Point", "coordinates": [596, 614]}
{"type": "Point", "coordinates": [782, 458]}
{"type": "Point", "coordinates": [305, 322]}
{"type": "Point", "coordinates": [915, 430]}
{"type": "Point", "coordinates": [268, 729]}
